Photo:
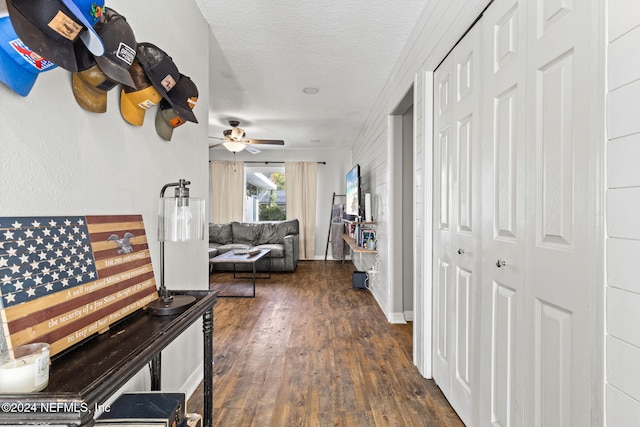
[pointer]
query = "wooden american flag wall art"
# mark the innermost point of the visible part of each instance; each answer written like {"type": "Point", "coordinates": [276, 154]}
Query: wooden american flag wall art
{"type": "Point", "coordinates": [66, 278]}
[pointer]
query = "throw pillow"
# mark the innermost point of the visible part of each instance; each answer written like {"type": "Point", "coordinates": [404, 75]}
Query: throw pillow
{"type": "Point", "coordinates": [247, 233]}
{"type": "Point", "coordinates": [270, 233]}
{"type": "Point", "coordinates": [220, 233]}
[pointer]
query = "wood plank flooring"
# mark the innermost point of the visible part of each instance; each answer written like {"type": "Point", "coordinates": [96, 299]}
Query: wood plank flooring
{"type": "Point", "coordinates": [311, 351]}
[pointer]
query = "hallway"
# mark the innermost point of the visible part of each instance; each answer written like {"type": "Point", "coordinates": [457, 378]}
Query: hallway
{"type": "Point", "coordinates": [311, 351]}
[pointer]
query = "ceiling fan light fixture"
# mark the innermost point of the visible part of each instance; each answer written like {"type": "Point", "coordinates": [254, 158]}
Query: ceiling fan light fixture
{"type": "Point", "coordinates": [233, 146]}
{"type": "Point", "coordinates": [237, 133]}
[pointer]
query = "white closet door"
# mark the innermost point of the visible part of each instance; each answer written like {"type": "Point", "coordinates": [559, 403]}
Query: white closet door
{"type": "Point", "coordinates": [536, 358]}
{"type": "Point", "coordinates": [538, 226]}
{"type": "Point", "coordinates": [442, 188]}
{"type": "Point", "coordinates": [457, 250]}
{"type": "Point", "coordinates": [503, 293]}
{"type": "Point", "coordinates": [560, 219]}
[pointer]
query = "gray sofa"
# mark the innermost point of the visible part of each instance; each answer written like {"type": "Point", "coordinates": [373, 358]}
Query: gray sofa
{"type": "Point", "coordinates": [281, 237]}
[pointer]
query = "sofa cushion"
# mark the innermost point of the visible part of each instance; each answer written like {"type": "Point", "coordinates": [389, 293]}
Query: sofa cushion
{"type": "Point", "coordinates": [246, 232]}
{"type": "Point", "coordinates": [220, 233]}
{"type": "Point", "coordinates": [277, 251]}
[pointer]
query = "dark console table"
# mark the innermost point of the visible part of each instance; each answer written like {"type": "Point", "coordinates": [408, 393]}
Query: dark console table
{"type": "Point", "coordinates": [84, 377]}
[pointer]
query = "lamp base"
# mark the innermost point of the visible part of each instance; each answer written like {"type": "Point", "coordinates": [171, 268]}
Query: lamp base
{"type": "Point", "coordinates": [177, 305]}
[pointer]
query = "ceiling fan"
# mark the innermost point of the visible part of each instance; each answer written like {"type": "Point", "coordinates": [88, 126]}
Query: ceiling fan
{"type": "Point", "coordinates": [235, 142]}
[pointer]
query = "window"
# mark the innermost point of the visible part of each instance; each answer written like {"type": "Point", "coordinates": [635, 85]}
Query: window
{"type": "Point", "coordinates": [265, 197]}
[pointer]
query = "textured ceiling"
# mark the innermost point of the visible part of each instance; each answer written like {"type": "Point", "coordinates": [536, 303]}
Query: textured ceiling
{"type": "Point", "coordinates": [264, 53]}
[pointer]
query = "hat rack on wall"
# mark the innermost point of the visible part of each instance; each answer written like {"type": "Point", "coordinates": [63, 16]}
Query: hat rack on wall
{"type": "Point", "coordinates": [98, 47]}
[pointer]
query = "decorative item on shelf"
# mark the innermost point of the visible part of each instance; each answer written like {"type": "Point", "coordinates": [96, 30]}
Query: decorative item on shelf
{"type": "Point", "coordinates": [371, 244]}
{"type": "Point", "coordinates": [27, 371]}
{"type": "Point", "coordinates": [180, 219]}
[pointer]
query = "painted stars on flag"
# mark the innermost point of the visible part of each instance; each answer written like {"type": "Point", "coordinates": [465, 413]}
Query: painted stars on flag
{"type": "Point", "coordinates": [43, 255]}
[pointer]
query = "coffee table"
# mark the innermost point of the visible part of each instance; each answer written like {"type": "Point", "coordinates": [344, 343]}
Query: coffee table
{"type": "Point", "coordinates": [230, 257]}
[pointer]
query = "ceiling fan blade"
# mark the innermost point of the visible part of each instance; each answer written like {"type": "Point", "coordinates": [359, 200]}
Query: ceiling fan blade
{"type": "Point", "coordinates": [252, 150]}
{"type": "Point", "coordinates": [215, 145]}
{"type": "Point", "coordinates": [264, 141]}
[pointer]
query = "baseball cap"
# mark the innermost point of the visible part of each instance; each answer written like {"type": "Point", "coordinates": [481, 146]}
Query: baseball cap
{"type": "Point", "coordinates": [159, 67]}
{"type": "Point", "coordinates": [89, 83]}
{"type": "Point", "coordinates": [167, 119]}
{"type": "Point", "coordinates": [51, 29]}
{"type": "Point", "coordinates": [90, 89]}
{"type": "Point", "coordinates": [183, 98]}
{"type": "Point", "coordinates": [19, 65]}
{"type": "Point", "coordinates": [136, 100]}
{"type": "Point", "coordinates": [120, 46]}
{"type": "Point", "coordinates": [88, 12]}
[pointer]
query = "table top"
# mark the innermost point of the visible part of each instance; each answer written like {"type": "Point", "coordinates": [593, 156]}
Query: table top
{"type": "Point", "coordinates": [87, 375]}
{"type": "Point", "coordinates": [239, 258]}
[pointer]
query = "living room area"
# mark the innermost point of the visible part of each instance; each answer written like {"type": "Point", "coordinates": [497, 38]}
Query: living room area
{"type": "Point", "coordinates": [306, 347]}
{"type": "Point", "coordinates": [63, 159]}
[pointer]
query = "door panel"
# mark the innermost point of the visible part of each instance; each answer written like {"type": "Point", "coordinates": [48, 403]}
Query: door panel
{"type": "Point", "coordinates": [442, 276]}
{"type": "Point", "coordinates": [558, 360]}
{"type": "Point", "coordinates": [503, 236]}
{"type": "Point", "coordinates": [463, 329]}
{"type": "Point", "coordinates": [503, 368]}
{"type": "Point", "coordinates": [465, 174]}
{"type": "Point", "coordinates": [505, 174]}
{"type": "Point", "coordinates": [554, 140]}
{"type": "Point", "coordinates": [443, 314]}
{"type": "Point", "coordinates": [553, 336]}
{"type": "Point", "coordinates": [443, 146]}
{"type": "Point", "coordinates": [457, 244]}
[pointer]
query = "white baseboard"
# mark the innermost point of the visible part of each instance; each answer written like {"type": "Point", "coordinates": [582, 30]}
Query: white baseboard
{"type": "Point", "coordinates": [397, 318]}
{"type": "Point", "coordinates": [329, 258]}
{"type": "Point", "coordinates": [194, 380]}
{"type": "Point", "coordinates": [408, 316]}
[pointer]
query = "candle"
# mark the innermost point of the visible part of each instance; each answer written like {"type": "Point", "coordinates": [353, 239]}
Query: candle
{"type": "Point", "coordinates": [28, 372]}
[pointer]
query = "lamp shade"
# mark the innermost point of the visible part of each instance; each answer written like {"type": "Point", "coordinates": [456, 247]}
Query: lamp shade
{"type": "Point", "coordinates": [180, 219]}
{"type": "Point", "coordinates": [233, 146]}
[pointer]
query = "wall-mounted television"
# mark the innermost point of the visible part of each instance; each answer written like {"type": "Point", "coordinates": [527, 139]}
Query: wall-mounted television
{"type": "Point", "coordinates": [352, 207]}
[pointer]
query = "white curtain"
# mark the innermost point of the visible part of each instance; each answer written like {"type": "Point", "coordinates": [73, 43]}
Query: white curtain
{"type": "Point", "coordinates": [227, 191]}
{"type": "Point", "coordinates": [301, 187]}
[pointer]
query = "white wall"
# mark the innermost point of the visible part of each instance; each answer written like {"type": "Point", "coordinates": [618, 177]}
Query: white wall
{"type": "Point", "coordinates": [59, 159]}
{"type": "Point", "coordinates": [441, 25]}
{"type": "Point", "coordinates": [331, 178]}
{"type": "Point", "coordinates": [623, 223]}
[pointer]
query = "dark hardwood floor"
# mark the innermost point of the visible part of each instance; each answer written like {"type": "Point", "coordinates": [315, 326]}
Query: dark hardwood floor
{"type": "Point", "coordinates": [311, 351]}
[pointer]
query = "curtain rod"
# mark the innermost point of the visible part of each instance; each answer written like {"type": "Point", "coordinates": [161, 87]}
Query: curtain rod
{"type": "Point", "coordinates": [267, 162]}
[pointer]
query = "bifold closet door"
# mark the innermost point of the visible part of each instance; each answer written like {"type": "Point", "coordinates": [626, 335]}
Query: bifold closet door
{"type": "Point", "coordinates": [504, 234]}
{"type": "Point", "coordinates": [457, 226]}
{"type": "Point", "coordinates": [560, 213]}
{"type": "Point", "coordinates": [537, 363]}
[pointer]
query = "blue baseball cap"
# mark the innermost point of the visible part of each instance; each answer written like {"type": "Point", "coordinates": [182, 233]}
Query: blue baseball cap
{"type": "Point", "coordinates": [88, 12]}
{"type": "Point", "coordinates": [19, 65]}
{"type": "Point", "coordinates": [53, 30]}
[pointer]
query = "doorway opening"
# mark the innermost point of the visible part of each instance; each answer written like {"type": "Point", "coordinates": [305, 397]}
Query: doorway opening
{"type": "Point", "coordinates": [403, 188]}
